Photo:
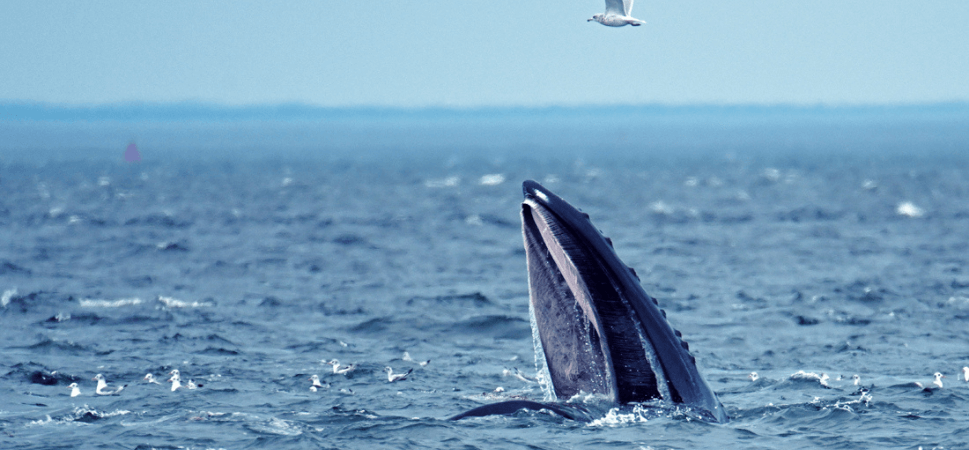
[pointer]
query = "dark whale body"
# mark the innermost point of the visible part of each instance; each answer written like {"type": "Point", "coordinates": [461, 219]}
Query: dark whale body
{"type": "Point", "coordinates": [599, 331]}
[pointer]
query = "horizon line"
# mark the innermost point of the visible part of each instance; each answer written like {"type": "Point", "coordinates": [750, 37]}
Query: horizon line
{"type": "Point", "coordinates": [17, 110]}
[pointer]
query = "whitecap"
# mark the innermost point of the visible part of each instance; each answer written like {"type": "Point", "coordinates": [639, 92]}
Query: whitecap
{"type": "Point", "coordinates": [80, 415]}
{"type": "Point", "coordinates": [176, 303]}
{"type": "Point", "coordinates": [616, 416]}
{"type": "Point", "coordinates": [908, 209]}
{"type": "Point", "coordinates": [772, 174]}
{"type": "Point", "coordinates": [277, 426]}
{"type": "Point", "coordinates": [40, 422]}
{"type": "Point", "coordinates": [492, 179]}
{"type": "Point", "coordinates": [98, 303]}
{"type": "Point", "coordinates": [7, 295]}
{"type": "Point", "coordinates": [958, 302]}
{"type": "Point", "coordinates": [660, 207]}
{"type": "Point", "coordinates": [118, 412]}
{"type": "Point", "coordinates": [446, 182]}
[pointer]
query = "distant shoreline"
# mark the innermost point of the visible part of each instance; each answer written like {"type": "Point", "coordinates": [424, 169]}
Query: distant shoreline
{"type": "Point", "coordinates": [210, 112]}
{"type": "Point", "coordinates": [39, 132]}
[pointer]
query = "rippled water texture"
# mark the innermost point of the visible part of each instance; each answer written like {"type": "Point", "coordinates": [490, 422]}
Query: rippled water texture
{"type": "Point", "coordinates": [246, 275]}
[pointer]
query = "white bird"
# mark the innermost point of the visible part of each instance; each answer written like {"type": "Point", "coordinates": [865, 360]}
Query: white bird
{"type": "Point", "coordinates": [392, 377]}
{"type": "Point", "coordinates": [191, 384]}
{"type": "Point", "coordinates": [856, 378]}
{"type": "Point", "coordinates": [316, 383]}
{"type": "Point", "coordinates": [407, 357]}
{"type": "Point", "coordinates": [517, 374]}
{"type": "Point", "coordinates": [935, 384]}
{"type": "Point", "coordinates": [617, 14]}
{"type": "Point", "coordinates": [753, 376]}
{"type": "Point", "coordinates": [103, 385]}
{"type": "Point", "coordinates": [965, 374]}
{"type": "Point", "coordinates": [341, 370]}
{"type": "Point", "coordinates": [75, 391]}
{"type": "Point", "coordinates": [151, 379]}
{"type": "Point", "coordinates": [176, 379]}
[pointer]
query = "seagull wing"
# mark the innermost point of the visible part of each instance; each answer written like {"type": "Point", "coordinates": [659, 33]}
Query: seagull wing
{"type": "Point", "coordinates": [627, 7]}
{"type": "Point", "coordinates": [615, 7]}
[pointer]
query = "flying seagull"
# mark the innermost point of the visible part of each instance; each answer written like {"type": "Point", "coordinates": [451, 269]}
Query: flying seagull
{"type": "Point", "coordinates": [617, 14]}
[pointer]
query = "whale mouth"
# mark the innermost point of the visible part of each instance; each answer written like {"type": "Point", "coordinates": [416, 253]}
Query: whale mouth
{"type": "Point", "coordinates": [596, 328]}
{"type": "Point", "coordinates": [586, 329]}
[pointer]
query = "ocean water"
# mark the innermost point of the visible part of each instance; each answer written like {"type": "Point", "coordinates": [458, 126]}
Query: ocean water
{"type": "Point", "coordinates": [247, 270]}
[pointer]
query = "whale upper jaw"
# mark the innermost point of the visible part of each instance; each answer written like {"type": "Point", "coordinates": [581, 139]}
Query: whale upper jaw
{"type": "Point", "coordinates": [598, 330]}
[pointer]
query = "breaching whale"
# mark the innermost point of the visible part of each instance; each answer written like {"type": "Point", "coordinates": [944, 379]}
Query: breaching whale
{"type": "Point", "coordinates": [598, 332]}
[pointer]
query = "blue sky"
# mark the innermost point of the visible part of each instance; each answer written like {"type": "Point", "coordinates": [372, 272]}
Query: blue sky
{"type": "Point", "coordinates": [473, 53]}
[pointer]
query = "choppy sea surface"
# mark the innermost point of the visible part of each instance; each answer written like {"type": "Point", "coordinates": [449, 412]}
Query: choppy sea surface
{"type": "Point", "coordinates": [248, 274]}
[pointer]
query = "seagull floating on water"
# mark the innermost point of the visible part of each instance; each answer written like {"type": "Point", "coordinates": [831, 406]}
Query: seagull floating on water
{"type": "Point", "coordinates": [151, 379]}
{"type": "Point", "coordinates": [753, 376]}
{"type": "Point", "coordinates": [935, 384]}
{"type": "Point", "coordinates": [965, 374]}
{"type": "Point", "coordinates": [341, 370]}
{"type": "Point", "coordinates": [176, 379]}
{"type": "Point", "coordinates": [856, 379]}
{"type": "Point", "coordinates": [316, 383]}
{"type": "Point", "coordinates": [392, 377]}
{"type": "Point", "coordinates": [103, 385]}
{"type": "Point", "coordinates": [617, 14]}
{"type": "Point", "coordinates": [75, 391]}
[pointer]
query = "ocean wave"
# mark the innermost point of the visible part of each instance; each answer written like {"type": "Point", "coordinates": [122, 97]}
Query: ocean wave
{"type": "Point", "coordinates": [476, 299]}
{"type": "Point", "coordinates": [452, 181]}
{"type": "Point", "coordinates": [13, 300]}
{"type": "Point", "coordinates": [169, 246]}
{"type": "Point", "coordinates": [158, 220]}
{"type": "Point", "coordinates": [80, 414]}
{"type": "Point", "coordinates": [496, 326]}
{"type": "Point", "coordinates": [47, 345]}
{"type": "Point", "coordinates": [172, 302]}
{"type": "Point", "coordinates": [276, 426]}
{"type": "Point", "coordinates": [9, 268]}
{"type": "Point", "coordinates": [100, 303]}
